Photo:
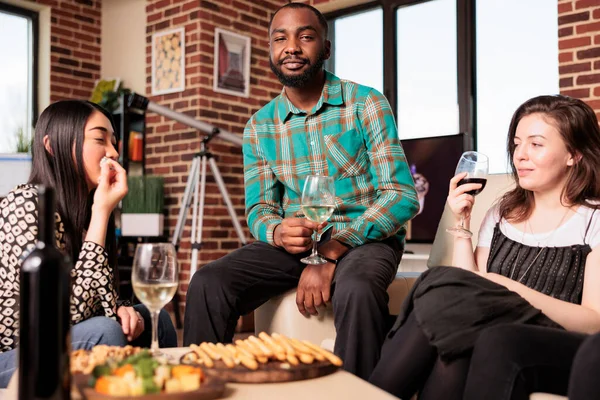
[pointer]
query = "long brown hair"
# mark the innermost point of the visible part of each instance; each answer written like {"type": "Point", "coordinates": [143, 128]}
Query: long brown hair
{"type": "Point", "coordinates": [64, 123]}
{"type": "Point", "coordinates": [578, 126]}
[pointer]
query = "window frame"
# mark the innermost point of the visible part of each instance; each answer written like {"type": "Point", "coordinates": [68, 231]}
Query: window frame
{"type": "Point", "coordinates": [466, 57]}
{"type": "Point", "coordinates": [33, 17]}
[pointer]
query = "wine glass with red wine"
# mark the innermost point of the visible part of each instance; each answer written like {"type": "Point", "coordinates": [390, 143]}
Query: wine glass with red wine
{"type": "Point", "coordinates": [476, 166]}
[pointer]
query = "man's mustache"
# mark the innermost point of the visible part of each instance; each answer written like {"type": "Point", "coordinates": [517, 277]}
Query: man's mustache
{"type": "Point", "coordinates": [294, 59]}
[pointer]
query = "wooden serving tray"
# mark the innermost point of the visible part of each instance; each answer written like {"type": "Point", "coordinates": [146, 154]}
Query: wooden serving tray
{"type": "Point", "coordinates": [271, 372]}
{"type": "Point", "coordinates": [212, 388]}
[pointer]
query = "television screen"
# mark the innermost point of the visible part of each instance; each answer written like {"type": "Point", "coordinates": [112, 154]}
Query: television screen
{"type": "Point", "coordinates": [432, 161]}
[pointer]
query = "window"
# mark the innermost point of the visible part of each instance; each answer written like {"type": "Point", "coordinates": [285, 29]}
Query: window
{"type": "Point", "coordinates": [452, 66]}
{"type": "Point", "coordinates": [18, 41]}
{"type": "Point", "coordinates": [427, 70]}
{"type": "Point", "coordinates": [358, 54]}
{"type": "Point", "coordinates": [515, 61]}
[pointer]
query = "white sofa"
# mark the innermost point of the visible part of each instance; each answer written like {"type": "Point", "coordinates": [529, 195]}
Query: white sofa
{"type": "Point", "coordinates": [281, 315]}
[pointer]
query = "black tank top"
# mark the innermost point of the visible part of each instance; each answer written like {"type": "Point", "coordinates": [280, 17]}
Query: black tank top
{"type": "Point", "coordinates": [554, 271]}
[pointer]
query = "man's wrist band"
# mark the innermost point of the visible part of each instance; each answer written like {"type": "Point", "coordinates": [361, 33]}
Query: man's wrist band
{"type": "Point", "coordinates": [331, 260]}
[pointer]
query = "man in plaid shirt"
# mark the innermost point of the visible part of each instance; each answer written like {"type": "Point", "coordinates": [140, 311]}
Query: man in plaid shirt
{"type": "Point", "coordinates": [319, 124]}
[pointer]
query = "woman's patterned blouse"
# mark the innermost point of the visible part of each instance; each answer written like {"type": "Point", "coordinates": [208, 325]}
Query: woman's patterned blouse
{"type": "Point", "coordinates": [92, 278]}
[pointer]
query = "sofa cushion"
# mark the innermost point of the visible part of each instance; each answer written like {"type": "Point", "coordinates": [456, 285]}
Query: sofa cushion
{"type": "Point", "coordinates": [281, 315]}
{"type": "Point", "coordinates": [441, 250]}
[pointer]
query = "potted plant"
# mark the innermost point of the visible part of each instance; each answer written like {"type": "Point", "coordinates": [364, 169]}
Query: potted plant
{"type": "Point", "coordinates": [107, 93]}
{"type": "Point", "coordinates": [24, 141]}
{"type": "Point", "coordinates": [16, 158]}
{"type": "Point", "coordinates": [142, 210]}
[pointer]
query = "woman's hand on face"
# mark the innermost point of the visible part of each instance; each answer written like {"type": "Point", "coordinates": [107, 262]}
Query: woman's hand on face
{"type": "Point", "coordinates": [112, 186]}
{"type": "Point", "coordinates": [459, 201]}
{"type": "Point", "coordinates": [131, 322]}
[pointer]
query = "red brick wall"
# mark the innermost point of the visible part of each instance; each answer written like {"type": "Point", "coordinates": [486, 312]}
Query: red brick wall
{"type": "Point", "coordinates": [75, 47]}
{"type": "Point", "coordinates": [171, 145]}
{"type": "Point", "coordinates": [579, 50]}
{"type": "Point", "coordinates": [75, 65]}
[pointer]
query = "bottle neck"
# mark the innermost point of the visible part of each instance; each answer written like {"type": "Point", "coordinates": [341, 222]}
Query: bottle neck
{"type": "Point", "coordinates": [46, 208]}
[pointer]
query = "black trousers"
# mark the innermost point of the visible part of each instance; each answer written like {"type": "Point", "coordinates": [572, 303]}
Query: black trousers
{"type": "Point", "coordinates": [510, 362]}
{"type": "Point", "coordinates": [167, 335]}
{"type": "Point", "coordinates": [584, 383]}
{"type": "Point", "coordinates": [246, 278]}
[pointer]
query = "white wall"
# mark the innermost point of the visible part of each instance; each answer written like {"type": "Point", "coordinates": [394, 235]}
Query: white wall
{"type": "Point", "coordinates": [124, 42]}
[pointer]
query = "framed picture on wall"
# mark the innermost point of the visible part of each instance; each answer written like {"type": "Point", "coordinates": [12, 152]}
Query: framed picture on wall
{"type": "Point", "coordinates": [168, 61]}
{"type": "Point", "coordinates": [232, 63]}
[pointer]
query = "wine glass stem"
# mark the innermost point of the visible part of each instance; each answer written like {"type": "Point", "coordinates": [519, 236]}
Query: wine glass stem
{"type": "Point", "coordinates": [154, 346]}
{"type": "Point", "coordinates": [462, 222]}
{"type": "Point", "coordinates": [314, 250]}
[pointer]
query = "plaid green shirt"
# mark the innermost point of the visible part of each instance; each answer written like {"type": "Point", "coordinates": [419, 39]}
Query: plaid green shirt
{"type": "Point", "coordinates": [351, 135]}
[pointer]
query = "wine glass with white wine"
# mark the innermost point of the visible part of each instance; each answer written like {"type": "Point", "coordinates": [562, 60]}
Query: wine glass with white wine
{"type": "Point", "coordinates": [318, 203]}
{"type": "Point", "coordinates": [155, 278]}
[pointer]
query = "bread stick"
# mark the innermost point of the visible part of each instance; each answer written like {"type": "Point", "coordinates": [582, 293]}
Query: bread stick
{"type": "Point", "coordinates": [292, 359]}
{"type": "Point", "coordinates": [213, 354]}
{"type": "Point", "coordinates": [232, 350]}
{"type": "Point", "coordinates": [283, 341]}
{"type": "Point", "coordinates": [262, 359]}
{"type": "Point", "coordinates": [278, 351]}
{"type": "Point", "coordinates": [242, 350]}
{"type": "Point", "coordinates": [208, 362]}
{"type": "Point", "coordinates": [225, 356]}
{"type": "Point", "coordinates": [225, 351]}
{"type": "Point", "coordinates": [250, 348]}
{"type": "Point", "coordinates": [275, 347]}
{"type": "Point", "coordinates": [247, 361]}
{"type": "Point", "coordinates": [306, 358]}
{"type": "Point", "coordinates": [258, 343]}
{"type": "Point", "coordinates": [332, 358]}
{"type": "Point", "coordinates": [299, 346]}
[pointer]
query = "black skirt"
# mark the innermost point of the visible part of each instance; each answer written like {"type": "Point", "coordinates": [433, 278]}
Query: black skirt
{"type": "Point", "coordinates": [452, 306]}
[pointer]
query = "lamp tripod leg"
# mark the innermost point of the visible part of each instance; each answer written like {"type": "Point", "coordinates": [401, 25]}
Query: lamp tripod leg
{"type": "Point", "coordinates": [198, 216]}
{"type": "Point", "coordinates": [234, 220]}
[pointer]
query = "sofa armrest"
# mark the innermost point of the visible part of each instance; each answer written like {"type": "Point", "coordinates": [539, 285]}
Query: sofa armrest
{"type": "Point", "coordinates": [399, 289]}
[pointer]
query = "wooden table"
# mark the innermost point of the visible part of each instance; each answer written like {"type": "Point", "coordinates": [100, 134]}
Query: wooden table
{"type": "Point", "coordinates": [341, 385]}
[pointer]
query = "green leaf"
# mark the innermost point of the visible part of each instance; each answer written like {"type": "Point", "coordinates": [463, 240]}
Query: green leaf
{"type": "Point", "coordinates": [145, 195]}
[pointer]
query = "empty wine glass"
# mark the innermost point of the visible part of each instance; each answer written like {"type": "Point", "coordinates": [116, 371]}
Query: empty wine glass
{"type": "Point", "coordinates": [318, 203]}
{"type": "Point", "coordinates": [155, 278]}
{"type": "Point", "coordinates": [476, 166]}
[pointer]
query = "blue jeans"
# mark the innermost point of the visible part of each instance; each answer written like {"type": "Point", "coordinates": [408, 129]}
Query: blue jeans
{"type": "Point", "coordinates": [102, 330]}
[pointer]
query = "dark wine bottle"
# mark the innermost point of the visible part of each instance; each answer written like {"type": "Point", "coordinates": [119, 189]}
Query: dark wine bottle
{"type": "Point", "coordinates": [44, 306]}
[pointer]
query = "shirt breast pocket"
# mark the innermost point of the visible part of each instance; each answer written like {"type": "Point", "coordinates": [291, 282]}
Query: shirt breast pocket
{"type": "Point", "coordinates": [346, 154]}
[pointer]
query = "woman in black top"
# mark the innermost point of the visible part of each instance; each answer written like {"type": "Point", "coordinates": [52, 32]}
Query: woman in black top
{"type": "Point", "coordinates": [73, 152]}
{"type": "Point", "coordinates": [534, 264]}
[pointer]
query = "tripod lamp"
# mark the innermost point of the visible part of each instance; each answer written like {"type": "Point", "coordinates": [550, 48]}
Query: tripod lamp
{"type": "Point", "coordinates": [197, 176]}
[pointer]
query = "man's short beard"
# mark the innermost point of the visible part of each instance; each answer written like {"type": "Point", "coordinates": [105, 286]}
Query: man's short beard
{"type": "Point", "coordinates": [299, 81]}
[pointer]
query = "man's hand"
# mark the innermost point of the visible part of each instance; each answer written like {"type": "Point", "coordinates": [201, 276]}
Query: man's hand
{"type": "Point", "coordinates": [314, 288]}
{"type": "Point", "coordinates": [294, 234]}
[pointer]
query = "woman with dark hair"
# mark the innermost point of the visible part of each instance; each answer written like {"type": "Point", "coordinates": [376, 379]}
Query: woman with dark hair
{"type": "Point", "coordinates": [73, 152]}
{"type": "Point", "coordinates": [535, 264]}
